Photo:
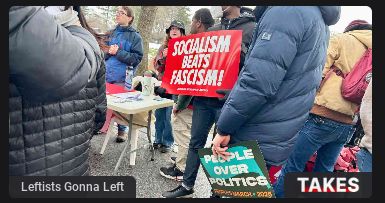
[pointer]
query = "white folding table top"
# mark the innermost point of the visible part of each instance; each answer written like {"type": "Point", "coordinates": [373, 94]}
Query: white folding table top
{"type": "Point", "coordinates": [148, 103]}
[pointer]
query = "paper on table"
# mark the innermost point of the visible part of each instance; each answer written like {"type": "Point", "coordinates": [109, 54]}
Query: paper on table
{"type": "Point", "coordinates": [127, 95]}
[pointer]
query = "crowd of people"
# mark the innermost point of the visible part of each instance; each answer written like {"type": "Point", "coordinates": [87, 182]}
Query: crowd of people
{"type": "Point", "coordinates": [287, 96]}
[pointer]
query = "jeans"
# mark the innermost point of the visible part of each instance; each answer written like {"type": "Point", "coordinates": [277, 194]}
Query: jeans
{"type": "Point", "coordinates": [122, 128]}
{"type": "Point", "coordinates": [205, 112]}
{"type": "Point", "coordinates": [321, 135]}
{"type": "Point", "coordinates": [364, 160]}
{"type": "Point", "coordinates": [163, 128]}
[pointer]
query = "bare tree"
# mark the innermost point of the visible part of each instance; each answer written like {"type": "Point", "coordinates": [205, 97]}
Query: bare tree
{"type": "Point", "coordinates": [164, 17]}
{"type": "Point", "coordinates": [145, 24]}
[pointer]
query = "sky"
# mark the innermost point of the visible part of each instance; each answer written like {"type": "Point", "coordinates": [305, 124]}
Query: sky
{"type": "Point", "coordinates": [348, 14]}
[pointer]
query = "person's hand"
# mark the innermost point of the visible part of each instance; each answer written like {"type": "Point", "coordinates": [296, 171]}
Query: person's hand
{"type": "Point", "coordinates": [113, 49]}
{"type": "Point", "coordinates": [220, 146]}
{"type": "Point", "coordinates": [175, 111]}
{"type": "Point", "coordinates": [225, 92]}
{"type": "Point", "coordinates": [160, 91]}
{"type": "Point", "coordinates": [165, 52]}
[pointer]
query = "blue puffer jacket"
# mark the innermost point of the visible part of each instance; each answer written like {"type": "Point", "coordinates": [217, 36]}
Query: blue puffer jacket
{"type": "Point", "coordinates": [277, 86]}
{"type": "Point", "coordinates": [130, 53]}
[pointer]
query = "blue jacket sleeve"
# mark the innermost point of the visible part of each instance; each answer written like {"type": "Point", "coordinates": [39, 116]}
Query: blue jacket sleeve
{"type": "Point", "coordinates": [134, 57]}
{"type": "Point", "coordinates": [264, 70]}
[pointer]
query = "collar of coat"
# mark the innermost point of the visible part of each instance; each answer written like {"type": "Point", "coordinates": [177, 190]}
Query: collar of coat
{"type": "Point", "coordinates": [125, 28]}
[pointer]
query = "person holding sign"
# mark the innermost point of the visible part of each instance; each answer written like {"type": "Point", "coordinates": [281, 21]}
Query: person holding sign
{"type": "Point", "coordinates": [164, 138]}
{"type": "Point", "coordinates": [201, 21]}
{"type": "Point", "coordinates": [207, 109]}
{"type": "Point", "coordinates": [276, 88]}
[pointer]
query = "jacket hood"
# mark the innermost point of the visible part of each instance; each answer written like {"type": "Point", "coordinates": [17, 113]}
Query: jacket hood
{"type": "Point", "coordinates": [247, 10]}
{"type": "Point", "coordinates": [258, 11]}
{"type": "Point", "coordinates": [364, 36]}
{"type": "Point", "coordinates": [330, 14]}
{"type": "Point", "coordinates": [245, 17]}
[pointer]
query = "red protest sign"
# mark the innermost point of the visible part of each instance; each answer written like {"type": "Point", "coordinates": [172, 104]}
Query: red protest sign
{"type": "Point", "coordinates": [202, 63]}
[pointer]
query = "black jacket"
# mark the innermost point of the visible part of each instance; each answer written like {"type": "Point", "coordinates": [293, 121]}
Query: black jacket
{"type": "Point", "coordinates": [57, 98]}
{"type": "Point", "coordinates": [246, 23]}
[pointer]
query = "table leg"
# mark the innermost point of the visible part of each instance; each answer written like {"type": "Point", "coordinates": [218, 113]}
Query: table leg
{"type": "Point", "coordinates": [127, 143]}
{"type": "Point", "coordinates": [149, 135]}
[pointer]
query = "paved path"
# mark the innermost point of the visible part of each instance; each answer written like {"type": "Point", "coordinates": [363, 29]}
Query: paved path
{"type": "Point", "coordinates": [149, 183]}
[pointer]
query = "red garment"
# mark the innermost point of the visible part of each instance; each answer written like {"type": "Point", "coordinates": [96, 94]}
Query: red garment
{"type": "Point", "coordinates": [274, 173]}
{"type": "Point", "coordinates": [346, 161]}
{"type": "Point", "coordinates": [115, 89]}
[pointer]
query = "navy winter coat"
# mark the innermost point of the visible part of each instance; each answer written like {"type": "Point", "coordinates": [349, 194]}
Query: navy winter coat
{"type": "Point", "coordinates": [276, 89]}
{"type": "Point", "coordinates": [129, 54]}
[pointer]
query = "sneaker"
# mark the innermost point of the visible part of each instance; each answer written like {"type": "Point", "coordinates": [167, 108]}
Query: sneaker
{"type": "Point", "coordinates": [122, 136]}
{"type": "Point", "coordinates": [178, 192]}
{"type": "Point", "coordinates": [165, 149]}
{"type": "Point", "coordinates": [214, 196]}
{"type": "Point", "coordinates": [172, 173]}
{"type": "Point", "coordinates": [175, 149]}
{"type": "Point", "coordinates": [173, 158]}
{"type": "Point", "coordinates": [157, 145]}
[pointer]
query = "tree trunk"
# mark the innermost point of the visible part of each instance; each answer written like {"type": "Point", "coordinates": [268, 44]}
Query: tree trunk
{"type": "Point", "coordinates": [145, 24]}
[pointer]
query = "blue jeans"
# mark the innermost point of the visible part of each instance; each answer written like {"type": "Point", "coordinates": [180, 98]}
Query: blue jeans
{"type": "Point", "coordinates": [163, 128]}
{"type": "Point", "coordinates": [364, 160]}
{"type": "Point", "coordinates": [122, 128]}
{"type": "Point", "coordinates": [321, 135]}
{"type": "Point", "coordinates": [205, 112]}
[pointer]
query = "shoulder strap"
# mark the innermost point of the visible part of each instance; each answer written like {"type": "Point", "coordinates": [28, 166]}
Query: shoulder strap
{"type": "Point", "coordinates": [334, 69]}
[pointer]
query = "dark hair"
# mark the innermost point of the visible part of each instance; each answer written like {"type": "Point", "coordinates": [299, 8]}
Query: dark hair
{"type": "Point", "coordinates": [130, 13]}
{"type": "Point", "coordinates": [359, 27]}
{"type": "Point", "coordinates": [204, 16]}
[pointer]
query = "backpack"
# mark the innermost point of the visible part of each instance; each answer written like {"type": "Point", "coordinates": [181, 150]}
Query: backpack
{"type": "Point", "coordinates": [356, 81]}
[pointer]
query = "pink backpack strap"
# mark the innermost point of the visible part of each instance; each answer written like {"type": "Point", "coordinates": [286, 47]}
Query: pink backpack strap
{"type": "Point", "coordinates": [334, 69]}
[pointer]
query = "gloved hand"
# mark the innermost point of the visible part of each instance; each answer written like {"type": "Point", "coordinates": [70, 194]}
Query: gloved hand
{"type": "Point", "coordinates": [175, 110]}
{"type": "Point", "coordinates": [225, 92]}
{"type": "Point", "coordinates": [160, 91]}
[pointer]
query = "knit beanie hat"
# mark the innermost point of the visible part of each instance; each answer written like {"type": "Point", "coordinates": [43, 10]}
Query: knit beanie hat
{"type": "Point", "coordinates": [355, 23]}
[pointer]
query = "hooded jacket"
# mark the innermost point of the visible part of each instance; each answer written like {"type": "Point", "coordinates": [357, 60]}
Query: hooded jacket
{"type": "Point", "coordinates": [344, 51]}
{"type": "Point", "coordinates": [57, 98]}
{"type": "Point", "coordinates": [276, 88]}
{"type": "Point", "coordinates": [129, 54]}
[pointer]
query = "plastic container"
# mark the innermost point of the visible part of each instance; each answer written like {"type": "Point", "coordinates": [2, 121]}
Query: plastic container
{"type": "Point", "coordinates": [147, 84]}
{"type": "Point", "coordinates": [128, 80]}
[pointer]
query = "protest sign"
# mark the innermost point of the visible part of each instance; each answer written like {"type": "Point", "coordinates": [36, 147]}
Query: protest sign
{"type": "Point", "coordinates": [202, 63]}
{"type": "Point", "coordinates": [243, 175]}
